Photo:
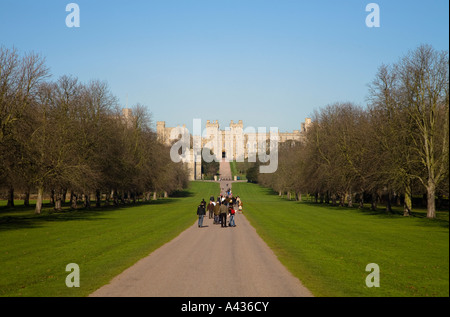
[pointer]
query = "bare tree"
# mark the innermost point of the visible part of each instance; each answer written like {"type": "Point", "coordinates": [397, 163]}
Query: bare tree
{"type": "Point", "coordinates": [412, 95]}
{"type": "Point", "coordinates": [20, 77]}
{"type": "Point", "coordinates": [424, 76]}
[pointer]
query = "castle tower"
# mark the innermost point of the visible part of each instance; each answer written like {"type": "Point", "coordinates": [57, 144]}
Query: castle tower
{"type": "Point", "coordinates": [161, 131]}
{"type": "Point", "coordinates": [127, 112]}
{"type": "Point", "coordinates": [304, 126]}
{"type": "Point", "coordinates": [213, 139]}
{"type": "Point", "coordinates": [127, 115]}
{"type": "Point", "coordinates": [237, 140]}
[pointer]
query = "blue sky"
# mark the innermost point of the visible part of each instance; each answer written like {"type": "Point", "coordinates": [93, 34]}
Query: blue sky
{"type": "Point", "coordinates": [267, 62]}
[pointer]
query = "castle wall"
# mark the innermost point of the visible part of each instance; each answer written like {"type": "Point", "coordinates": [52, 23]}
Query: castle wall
{"type": "Point", "coordinates": [236, 142]}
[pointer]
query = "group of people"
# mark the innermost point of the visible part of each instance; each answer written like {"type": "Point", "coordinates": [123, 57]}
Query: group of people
{"type": "Point", "coordinates": [220, 210]}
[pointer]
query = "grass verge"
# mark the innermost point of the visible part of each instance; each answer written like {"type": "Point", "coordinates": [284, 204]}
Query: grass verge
{"type": "Point", "coordinates": [35, 249]}
{"type": "Point", "coordinates": [235, 172]}
{"type": "Point", "coordinates": [328, 248]}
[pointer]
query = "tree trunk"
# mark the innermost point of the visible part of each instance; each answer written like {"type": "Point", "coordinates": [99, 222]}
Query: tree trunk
{"type": "Point", "coordinates": [122, 197]}
{"type": "Point", "coordinates": [388, 203]}
{"type": "Point", "coordinates": [73, 199]}
{"type": "Point", "coordinates": [374, 202]}
{"type": "Point", "coordinates": [361, 200]}
{"type": "Point", "coordinates": [38, 208]}
{"type": "Point", "coordinates": [57, 197]}
{"type": "Point", "coordinates": [107, 198]}
{"type": "Point", "coordinates": [350, 199]}
{"type": "Point", "coordinates": [87, 200]}
{"type": "Point", "coordinates": [98, 198]}
{"type": "Point", "coordinates": [114, 197]}
{"type": "Point", "coordinates": [10, 197]}
{"type": "Point", "coordinates": [431, 204]}
{"type": "Point", "coordinates": [342, 200]}
{"type": "Point", "coordinates": [407, 204]}
{"type": "Point", "coordinates": [333, 199]}
{"type": "Point", "coordinates": [63, 196]}
{"type": "Point", "coordinates": [58, 203]}
{"type": "Point", "coordinates": [26, 199]}
{"type": "Point", "coordinates": [299, 196]}
{"type": "Point", "coordinates": [52, 197]}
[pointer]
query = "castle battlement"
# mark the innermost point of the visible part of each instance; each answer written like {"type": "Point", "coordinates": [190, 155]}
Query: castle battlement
{"type": "Point", "coordinates": [235, 142]}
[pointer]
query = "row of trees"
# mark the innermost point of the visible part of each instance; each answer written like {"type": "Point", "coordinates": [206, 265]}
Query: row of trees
{"type": "Point", "coordinates": [397, 145]}
{"type": "Point", "coordinates": [66, 136]}
{"type": "Point", "coordinates": [210, 169]}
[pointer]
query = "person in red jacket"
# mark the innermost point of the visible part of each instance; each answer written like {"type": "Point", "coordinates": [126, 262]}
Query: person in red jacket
{"type": "Point", "coordinates": [232, 213]}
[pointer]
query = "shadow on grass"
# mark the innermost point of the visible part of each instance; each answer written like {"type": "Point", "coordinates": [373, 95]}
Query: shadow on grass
{"type": "Point", "coordinates": [182, 194]}
{"type": "Point", "coordinates": [441, 220]}
{"type": "Point", "coordinates": [30, 220]}
{"type": "Point", "coordinates": [380, 212]}
{"type": "Point", "coordinates": [23, 217]}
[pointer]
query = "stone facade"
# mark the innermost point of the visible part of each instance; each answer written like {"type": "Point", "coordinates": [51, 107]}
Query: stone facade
{"type": "Point", "coordinates": [234, 142]}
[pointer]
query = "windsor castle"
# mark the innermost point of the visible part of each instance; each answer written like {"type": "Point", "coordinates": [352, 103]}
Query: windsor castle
{"type": "Point", "coordinates": [232, 143]}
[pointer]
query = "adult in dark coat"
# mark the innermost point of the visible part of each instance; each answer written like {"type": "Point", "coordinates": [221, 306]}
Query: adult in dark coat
{"type": "Point", "coordinates": [201, 213]}
{"type": "Point", "coordinates": [210, 209]}
{"type": "Point", "coordinates": [223, 214]}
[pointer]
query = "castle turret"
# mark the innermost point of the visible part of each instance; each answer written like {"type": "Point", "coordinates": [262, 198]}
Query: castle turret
{"type": "Point", "coordinates": [161, 131]}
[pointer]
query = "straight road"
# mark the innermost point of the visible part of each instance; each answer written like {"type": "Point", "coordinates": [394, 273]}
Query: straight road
{"type": "Point", "coordinates": [225, 176]}
{"type": "Point", "coordinates": [209, 262]}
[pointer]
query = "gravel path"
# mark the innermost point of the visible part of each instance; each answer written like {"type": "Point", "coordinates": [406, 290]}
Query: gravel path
{"type": "Point", "coordinates": [209, 262]}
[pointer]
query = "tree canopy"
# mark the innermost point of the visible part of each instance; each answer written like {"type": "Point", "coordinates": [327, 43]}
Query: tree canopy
{"type": "Point", "coordinates": [67, 136]}
{"type": "Point", "coordinates": [396, 146]}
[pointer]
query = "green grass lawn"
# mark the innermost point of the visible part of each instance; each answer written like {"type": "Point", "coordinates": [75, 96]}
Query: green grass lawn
{"type": "Point", "coordinates": [235, 172]}
{"type": "Point", "coordinates": [35, 249]}
{"type": "Point", "coordinates": [328, 248]}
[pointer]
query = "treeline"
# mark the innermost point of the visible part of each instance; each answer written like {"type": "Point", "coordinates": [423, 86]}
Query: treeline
{"type": "Point", "coordinates": [396, 146]}
{"type": "Point", "coordinates": [67, 137]}
{"type": "Point", "coordinates": [210, 169]}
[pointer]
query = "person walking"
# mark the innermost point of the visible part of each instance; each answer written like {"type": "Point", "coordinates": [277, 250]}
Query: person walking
{"type": "Point", "coordinates": [230, 200]}
{"type": "Point", "coordinates": [232, 215]}
{"type": "Point", "coordinates": [210, 209]}
{"type": "Point", "coordinates": [201, 213]}
{"type": "Point", "coordinates": [216, 212]}
{"type": "Point", "coordinates": [223, 214]}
